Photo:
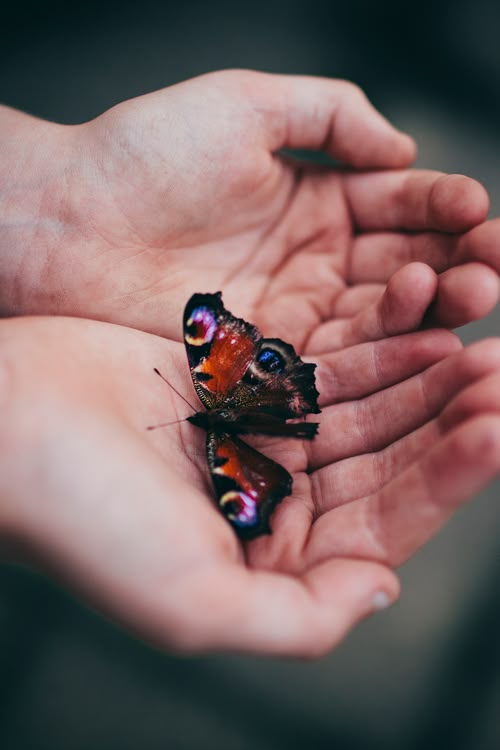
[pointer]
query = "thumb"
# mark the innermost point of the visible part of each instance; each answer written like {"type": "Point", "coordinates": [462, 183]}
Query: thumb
{"type": "Point", "coordinates": [334, 116]}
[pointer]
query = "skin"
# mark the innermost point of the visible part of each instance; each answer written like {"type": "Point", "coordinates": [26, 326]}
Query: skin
{"type": "Point", "coordinates": [121, 219]}
{"type": "Point", "coordinates": [183, 190]}
{"type": "Point", "coordinates": [126, 517]}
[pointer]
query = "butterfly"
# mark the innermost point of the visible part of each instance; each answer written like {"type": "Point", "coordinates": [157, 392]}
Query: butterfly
{"type": "Point", "coordinates": [248, 385]}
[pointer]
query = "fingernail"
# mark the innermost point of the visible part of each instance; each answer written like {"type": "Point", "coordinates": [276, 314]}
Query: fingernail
{"type": "Point", "coordinates": [381, 600]}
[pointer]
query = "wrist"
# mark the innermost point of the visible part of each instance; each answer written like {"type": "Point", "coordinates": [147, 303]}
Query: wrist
{"type": "Point", "coordinates": [34, 157]}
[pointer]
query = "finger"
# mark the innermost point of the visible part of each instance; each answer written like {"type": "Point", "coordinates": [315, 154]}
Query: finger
{"type": "Point", "coordinates": [400, 309]}
{"type": "Point", "coordinates": [354, 299]}
{"type": "Point", "coordinates": [371, 367]}
{"type": "Point", "coordinates": [330, 115]}
{"type": "Point", "coordinates": [481, 244]}
{"type": "Point", "coordinates": [480, 398]}
{"type": "Point", "coordinates": [415, 200]}
{"type": "Point", "coordinates": [377, 255]}
{"type": "Point", "coordinates": [470, 291]}
{"type": "Point", "coordinates": [360, 476]}
{"type": "Point", "coordinates": [372, 423]}
{"type": "Point", "coordinates": [464, 294]}
{"type": "Point", "coordinates": [392, 524]}
{"type": "Point", "coordinates": [329, 336]}
{"type": "Point", "coordinates": [270, 613]}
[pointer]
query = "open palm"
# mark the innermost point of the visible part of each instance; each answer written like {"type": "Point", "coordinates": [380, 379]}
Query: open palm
{"type": "Point", "coordinates": [187, 189]}
{"type": "Point", "coordinates": [409, 430]}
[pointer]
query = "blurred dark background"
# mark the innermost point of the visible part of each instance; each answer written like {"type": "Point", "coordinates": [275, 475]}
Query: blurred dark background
{"type": "Point", "coordinates": [427, 672]}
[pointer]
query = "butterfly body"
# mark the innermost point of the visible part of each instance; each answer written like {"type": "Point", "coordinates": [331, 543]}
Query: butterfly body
{"type": "Point", "coordinates": [248, 385]}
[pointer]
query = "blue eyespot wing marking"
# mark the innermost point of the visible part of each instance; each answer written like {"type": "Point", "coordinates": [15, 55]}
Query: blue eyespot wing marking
{"type": "Point", "coordinates": [270, 360]}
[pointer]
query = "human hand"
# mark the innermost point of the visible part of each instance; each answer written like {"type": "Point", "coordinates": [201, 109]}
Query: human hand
{"type": "Point", "coordinates": [124, 516]}
{"type": "Point", "coordinates": [184, 190]}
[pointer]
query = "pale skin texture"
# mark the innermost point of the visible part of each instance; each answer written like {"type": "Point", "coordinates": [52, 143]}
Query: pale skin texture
{"type": "Point", "coordinates": [121, 219]}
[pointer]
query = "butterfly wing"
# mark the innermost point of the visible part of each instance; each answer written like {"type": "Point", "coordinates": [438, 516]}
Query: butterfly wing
{"type": "Point", "coordinates": [278, 382]}
{"type": "Point", "coordinates": [248, 485]}
{"type": "Point", "coordinates": [219, 347]}
{"type": "Point", "coordinates": [234, 368]}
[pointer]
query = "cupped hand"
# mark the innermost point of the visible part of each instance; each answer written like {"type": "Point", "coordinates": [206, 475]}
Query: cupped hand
{"type": "Point", "coordinates": [187, 189]}
{"type": "Point", "coordinates": [410, 429]}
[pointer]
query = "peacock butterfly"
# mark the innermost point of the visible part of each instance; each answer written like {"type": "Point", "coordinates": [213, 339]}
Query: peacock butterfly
{"type": "Point", "coordinates": [248, 384]}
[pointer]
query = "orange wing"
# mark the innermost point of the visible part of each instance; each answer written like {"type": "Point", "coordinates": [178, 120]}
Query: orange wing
{"type": "Point", "coordinates": [248, 485]}
{"type": "Point", "coordinates": [234, 368]}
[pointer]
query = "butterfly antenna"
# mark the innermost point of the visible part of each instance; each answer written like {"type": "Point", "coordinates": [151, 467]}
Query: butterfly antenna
{"type": "Point", "coordinates": [175, 391]}
{"type": "Point", "coordinates": [164, 424]}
